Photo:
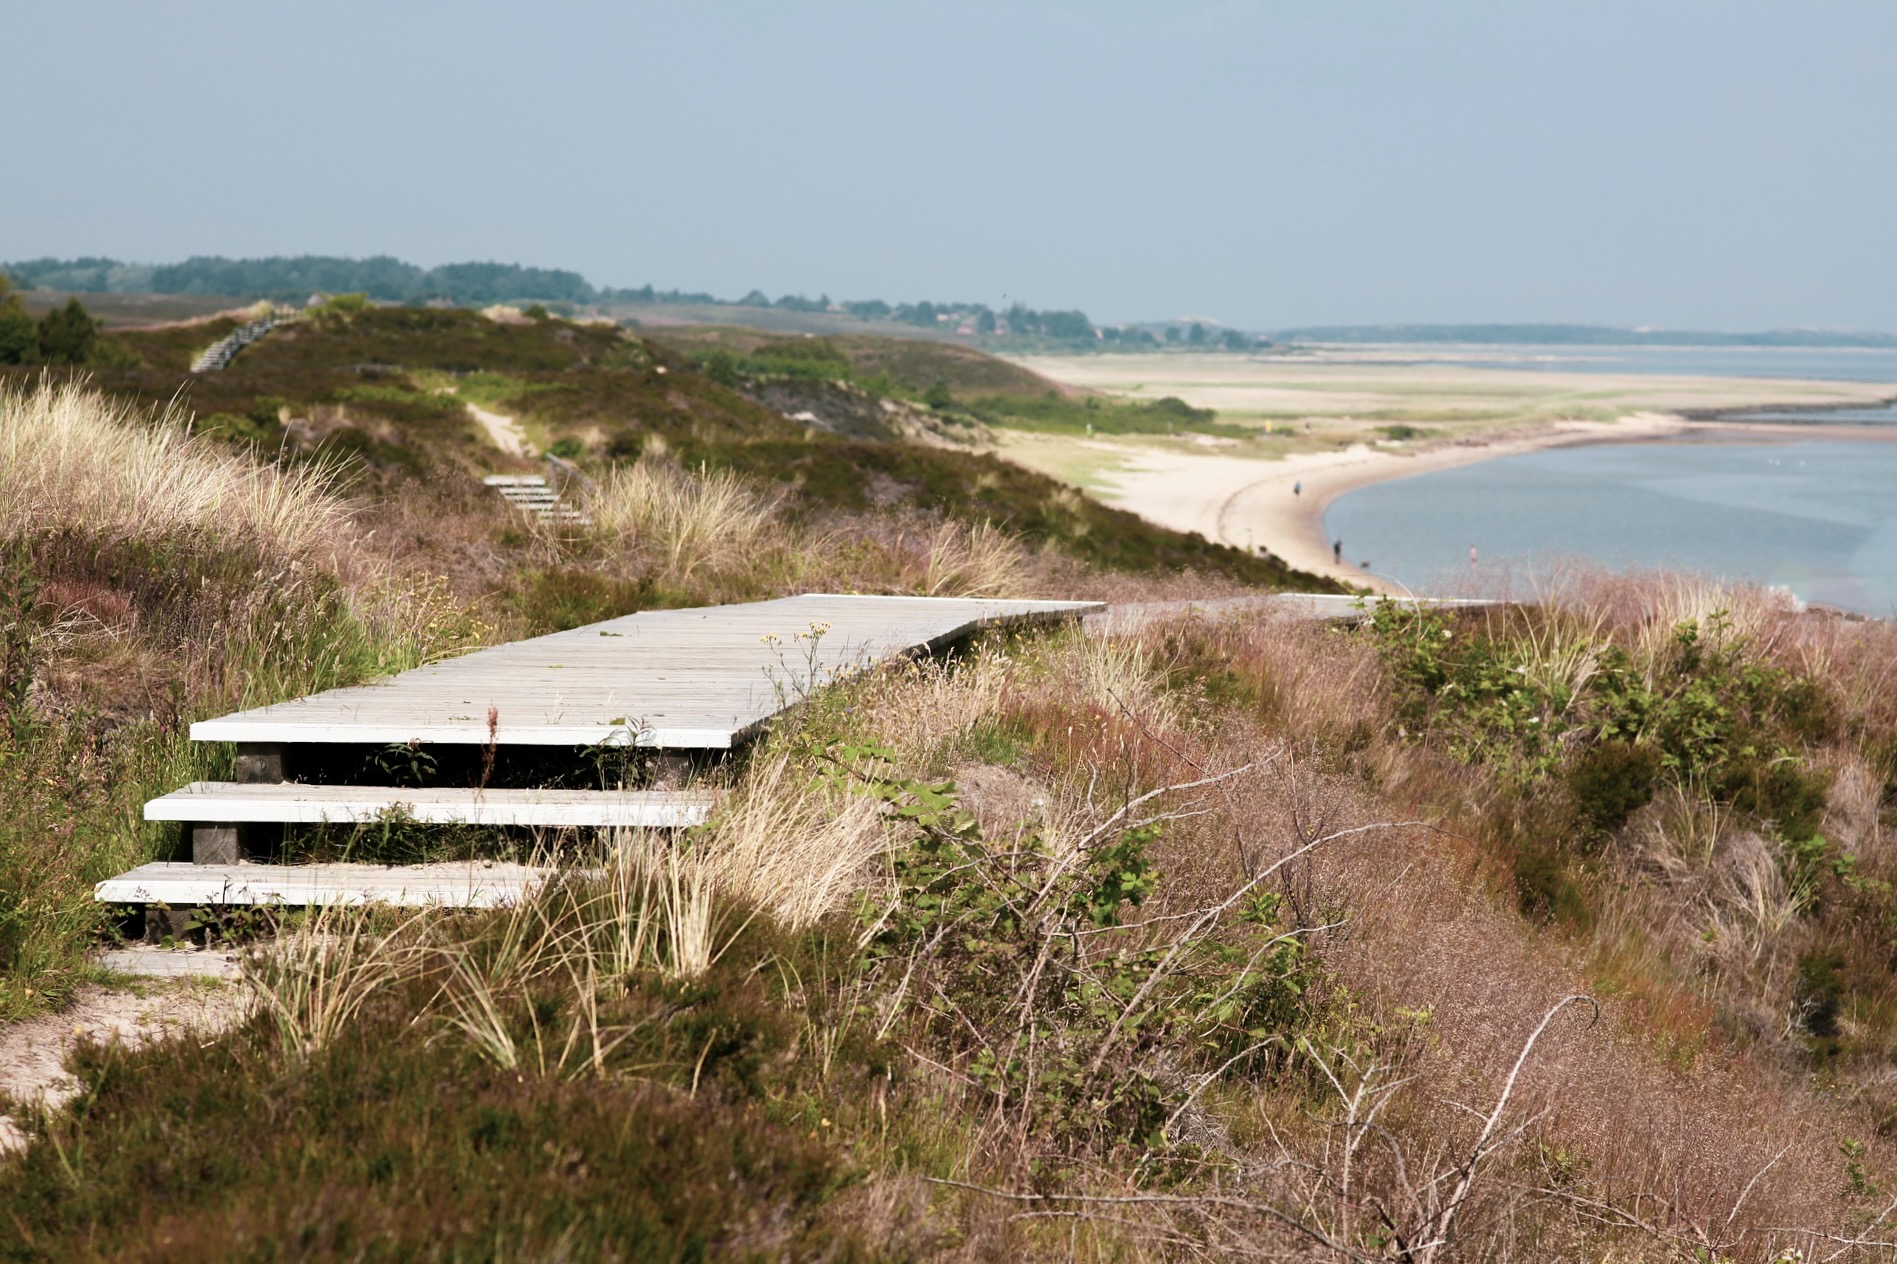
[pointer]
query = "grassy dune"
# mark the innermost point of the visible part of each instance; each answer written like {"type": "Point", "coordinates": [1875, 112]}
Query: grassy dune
{"type": "Point", "coordinates": [1559, 932]}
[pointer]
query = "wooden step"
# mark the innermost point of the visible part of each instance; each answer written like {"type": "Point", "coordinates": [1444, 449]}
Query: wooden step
{"type": "Point", "coordinates": [290, 803]}
{"type": "Point", "coordinates": [151, 962]}
{"type": "Point", "coordinates": [459, 884]}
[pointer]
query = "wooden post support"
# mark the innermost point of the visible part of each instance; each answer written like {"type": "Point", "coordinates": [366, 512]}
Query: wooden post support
{"type": "Point", "coordinates": [223, 842]}
{"type": "Point", "coordinates": [261, 761]}
{"type": "Point", "coordinates": [215, 845]}
{"type": "Point", "coordinates": [669, 771]}
{"type": "Point", "coordinates": [258, 763]}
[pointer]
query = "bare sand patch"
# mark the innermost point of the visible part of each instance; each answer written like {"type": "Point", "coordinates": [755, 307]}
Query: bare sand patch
{"type": "Point", "coordinates": [33, 1052]}
{"type": "Point", "coordinates": [505, 432]}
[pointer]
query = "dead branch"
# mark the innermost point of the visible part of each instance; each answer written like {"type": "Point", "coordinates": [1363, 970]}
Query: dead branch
{"type": "Point", "coordinates": [1466, 1172]}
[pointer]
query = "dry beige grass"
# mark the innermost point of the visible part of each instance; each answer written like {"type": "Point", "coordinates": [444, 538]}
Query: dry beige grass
{"type": "Point", "coordinates": [689, 521]}
{"type": "Point", "coordinates": [978, 561]}
{"type": "Point", "coordinates": [792, 848]}
{"type": "Point", "coordinates": [72, 458]}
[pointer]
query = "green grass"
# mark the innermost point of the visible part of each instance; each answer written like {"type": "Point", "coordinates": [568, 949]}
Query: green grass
{"type": "Point", "coordinates": [908, 366]}
{"type": "Point", "coordinates": [1581, 731]}
{"type": "Point", "coordinates": [1061, 414]}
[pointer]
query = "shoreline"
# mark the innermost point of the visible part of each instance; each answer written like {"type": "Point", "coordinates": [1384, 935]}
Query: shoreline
{"type": "Point", "coordinates": [1248, 503]}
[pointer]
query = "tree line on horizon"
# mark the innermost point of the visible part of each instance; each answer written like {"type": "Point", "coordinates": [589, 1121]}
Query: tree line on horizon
{"type": "Point", "coordinates": [386, 279]}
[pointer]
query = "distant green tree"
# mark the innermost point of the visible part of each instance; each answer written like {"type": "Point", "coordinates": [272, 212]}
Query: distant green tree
{"type": "Point", "coordinates": [1071, 326]}
{"type": "Point", "coordinates": [19, 340]}
{"type": "Point", "coordinates": [67, 334]}
{"type": "Point", "coordinates": [937, 396]}
{"type": "Point", "coordinates": [1195, 336]}
{"type": "Point", "coordinates": [536, 311]}
{"type": "Point", "coordinates": [985, 323]}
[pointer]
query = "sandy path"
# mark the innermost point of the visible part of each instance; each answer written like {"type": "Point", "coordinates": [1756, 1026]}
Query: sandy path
{"type": "Point", "coordinates": [33, 1052]}
{"type": "Point", "coordinates": [504, 431]}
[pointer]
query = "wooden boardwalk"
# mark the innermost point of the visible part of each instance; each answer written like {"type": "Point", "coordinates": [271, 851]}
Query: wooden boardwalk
{"type": "Point", "coordinates": [698, 679]}
{"type": "Point", "coordinates": [682, 680]}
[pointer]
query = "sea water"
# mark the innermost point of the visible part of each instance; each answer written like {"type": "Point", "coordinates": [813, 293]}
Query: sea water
{"type": "Point", "coordinates": [1817, 516]}
{"type": "Point", "coordinates": [1837, 364]}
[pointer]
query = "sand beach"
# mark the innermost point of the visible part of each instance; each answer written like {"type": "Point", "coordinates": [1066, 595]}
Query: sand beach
{"type": "Point", "coordinates": [1325, 430]}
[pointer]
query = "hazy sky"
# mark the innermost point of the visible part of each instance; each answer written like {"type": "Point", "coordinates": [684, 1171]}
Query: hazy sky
{"type": "Point", "coordinates": [1727, 164]}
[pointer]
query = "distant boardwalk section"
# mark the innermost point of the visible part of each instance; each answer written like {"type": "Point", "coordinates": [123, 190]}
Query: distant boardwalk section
{"type": "Point", "coordinates": [698, 679]}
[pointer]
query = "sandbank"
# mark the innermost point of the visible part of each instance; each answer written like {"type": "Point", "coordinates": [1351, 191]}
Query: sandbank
{"type": "Point", "coordinates": [1299, 388]}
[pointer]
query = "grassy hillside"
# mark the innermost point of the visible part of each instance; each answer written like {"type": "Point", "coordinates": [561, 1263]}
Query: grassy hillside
{"type": "Point", "coordinates": [959, 385]}
{"type": "Point", "coordinates": [907, 364]}
{"type": "Point", "coordinates": [386, 388]}
{"type": "Point", "coordinates": [942, 981]}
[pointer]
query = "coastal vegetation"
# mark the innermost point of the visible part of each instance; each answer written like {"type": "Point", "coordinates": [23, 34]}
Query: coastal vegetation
{"type": "Point", "coordinates": [1559, 931]}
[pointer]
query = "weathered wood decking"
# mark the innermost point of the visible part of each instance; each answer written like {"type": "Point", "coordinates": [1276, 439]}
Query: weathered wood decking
{"type": "Point", "coordinates": [698, 679]}
{"type": "Point", "coordinates": [459, 884]}
{"type": "Point", "coordinates": [288, 803]}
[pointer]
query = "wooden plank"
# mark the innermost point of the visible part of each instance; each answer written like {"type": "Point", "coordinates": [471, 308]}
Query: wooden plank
{"type": "Point", "coordinates": [461, 884]}
{"type": "Point", "coordinates": [705, 678]}
{"type": "Point", "coordinates": [171, 963]}
{"type": "Point", "coordinates": [292, 804]}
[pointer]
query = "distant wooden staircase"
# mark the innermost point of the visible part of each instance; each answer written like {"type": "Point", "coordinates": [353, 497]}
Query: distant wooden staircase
{"type": "Point", "coordinates": [542, 495]}
{"type": "Point", "coordinates": [218, 354]}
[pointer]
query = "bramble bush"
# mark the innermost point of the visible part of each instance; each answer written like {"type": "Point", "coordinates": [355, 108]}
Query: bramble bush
{"type": "Point", "coordinates": [1068, 1019]}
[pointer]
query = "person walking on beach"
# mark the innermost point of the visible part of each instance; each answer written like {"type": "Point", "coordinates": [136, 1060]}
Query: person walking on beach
{"type": "Point", "coordinates": [1297, 488]}
{"type": "Point", "coordinates": [1337, 551]}
{"type": "Point", "coordinates": [1472, 557]}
